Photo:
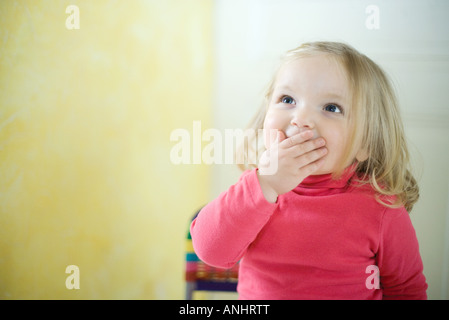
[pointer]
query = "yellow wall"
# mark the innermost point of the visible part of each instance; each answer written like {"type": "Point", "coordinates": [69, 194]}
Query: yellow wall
{"type": "Point", "coordinates": [85, 121]}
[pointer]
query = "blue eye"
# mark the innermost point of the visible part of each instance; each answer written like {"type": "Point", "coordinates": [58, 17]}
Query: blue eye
{"type": "Point", "coordinates": [287, 99]}
{"type": "Point", "coordinates": [333, 108]}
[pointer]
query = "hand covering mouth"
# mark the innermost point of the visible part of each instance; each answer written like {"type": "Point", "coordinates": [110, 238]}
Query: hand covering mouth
{"type": "Point", "coordinates": [292, 130]}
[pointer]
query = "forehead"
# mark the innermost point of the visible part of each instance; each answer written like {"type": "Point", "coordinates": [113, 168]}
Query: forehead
{"type": "Point", "coordinates": [318, 74]}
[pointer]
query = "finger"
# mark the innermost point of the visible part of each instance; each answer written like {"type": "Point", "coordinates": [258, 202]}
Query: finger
{"type": "Point", "coordinates": [276, 136]}
{"type": "Point", "coordinates": [296, 139]}
{"type": "Point", "coordinates": [271, 136]}
{"type": "Point", "coordinates": [281, 136]}
{"type": "Point", "coordinates": [312, 167]}
{"type": "Point", "coordinates": [306, 147]}
{"type": "Point", "coordinates": [310, 157]}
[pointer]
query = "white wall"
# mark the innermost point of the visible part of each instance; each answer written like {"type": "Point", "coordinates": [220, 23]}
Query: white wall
{"type": "Point", "coordinates": [412, 44]}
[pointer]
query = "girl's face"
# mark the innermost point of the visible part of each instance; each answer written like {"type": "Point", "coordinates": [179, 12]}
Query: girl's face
{"type": "Point", "coordinates": [312, 93]}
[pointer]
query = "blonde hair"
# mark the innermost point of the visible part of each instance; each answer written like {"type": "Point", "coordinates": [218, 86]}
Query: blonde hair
{"type": "Point", "coordinates": [374, 120]}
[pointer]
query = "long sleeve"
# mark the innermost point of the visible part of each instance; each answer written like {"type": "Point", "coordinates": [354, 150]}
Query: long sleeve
{"type": "Point", "coordinates": [225, 227]}
{"type": "Point", "coordinates": [400, 264]}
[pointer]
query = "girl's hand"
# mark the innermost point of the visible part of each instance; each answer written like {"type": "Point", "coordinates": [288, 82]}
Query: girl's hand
{"type": "Point", "coordinates": [294, 159]}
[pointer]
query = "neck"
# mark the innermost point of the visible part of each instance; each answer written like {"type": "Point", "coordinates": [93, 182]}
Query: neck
{"type": "Point", "coordinates": [325, 184]}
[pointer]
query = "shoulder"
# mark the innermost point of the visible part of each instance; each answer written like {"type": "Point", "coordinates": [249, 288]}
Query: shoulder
{"type": "Point", "coordinates": [248, 178]}
{"type": "Point", "coordinates": [366, 189]}
{"type": "Point", "coordinates": [246, 173]}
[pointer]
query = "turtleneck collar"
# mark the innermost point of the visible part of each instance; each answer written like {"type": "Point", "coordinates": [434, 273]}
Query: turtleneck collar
{"type": "Point", "coordinates": [324, 184]}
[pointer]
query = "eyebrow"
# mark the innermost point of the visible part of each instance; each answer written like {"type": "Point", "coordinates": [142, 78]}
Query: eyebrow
{"type": "Point", "coordinates": [333, 95]}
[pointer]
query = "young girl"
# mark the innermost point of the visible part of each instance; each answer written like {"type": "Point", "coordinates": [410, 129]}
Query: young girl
{"type": "Point", "coordinates": [331, 221]}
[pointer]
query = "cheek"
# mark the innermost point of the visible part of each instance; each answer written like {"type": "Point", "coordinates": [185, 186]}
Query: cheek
{"type": "Point", "coordinates": [267, 129]}
{"type": "Point", "coordinates": [335, 154]}
{"type": "Point", "coordinates": [336, 144]}
{"type": "Point", "coordinates": [271, 125]}
{"type": "Point", "coordinates": [273, 121]}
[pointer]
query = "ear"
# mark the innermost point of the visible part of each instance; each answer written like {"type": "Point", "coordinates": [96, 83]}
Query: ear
{"type": "Point", "coordinates": [362, 155]}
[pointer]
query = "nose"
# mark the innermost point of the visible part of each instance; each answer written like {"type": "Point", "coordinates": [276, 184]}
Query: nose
{"type": "Point", "coordinates": [302, 119]}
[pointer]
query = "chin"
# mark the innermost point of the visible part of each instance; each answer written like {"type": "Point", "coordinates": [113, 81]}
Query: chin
{"type": "Point", "coordinates": [325, 169]}
{"type": "Point", "coordinates": [321, 172]}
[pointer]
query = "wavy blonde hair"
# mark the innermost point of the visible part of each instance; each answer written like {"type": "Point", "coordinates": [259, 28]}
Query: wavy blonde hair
{"type": "Point", "coordinates": [375, 122]}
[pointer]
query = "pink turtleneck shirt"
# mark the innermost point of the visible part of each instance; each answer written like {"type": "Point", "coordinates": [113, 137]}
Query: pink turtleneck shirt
{"type": "Point", "coordinates": [325, 239]}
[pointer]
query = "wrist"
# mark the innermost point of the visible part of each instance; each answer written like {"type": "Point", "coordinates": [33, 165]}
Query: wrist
{"type": "Point", "coordinates": [268, 192]}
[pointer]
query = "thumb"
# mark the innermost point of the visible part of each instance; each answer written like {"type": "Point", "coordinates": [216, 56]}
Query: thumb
{"type": "Point", "coordinates": [280, 136]}
{"type": "Point", "coordinates": [273, 136]}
